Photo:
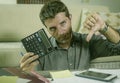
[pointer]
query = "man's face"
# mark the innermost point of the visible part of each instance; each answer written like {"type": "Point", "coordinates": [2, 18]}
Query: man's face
{"type": "Point", "coordinates": [60, 27]}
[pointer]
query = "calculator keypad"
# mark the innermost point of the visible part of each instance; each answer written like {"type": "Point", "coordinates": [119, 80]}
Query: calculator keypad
{"type": "Point", "coordinates": [34, 43]}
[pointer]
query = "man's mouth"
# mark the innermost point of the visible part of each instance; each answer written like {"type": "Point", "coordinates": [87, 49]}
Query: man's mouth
{"type": "Point", "coordinates": [63, 38]}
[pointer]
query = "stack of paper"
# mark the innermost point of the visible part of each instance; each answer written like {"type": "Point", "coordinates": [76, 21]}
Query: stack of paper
{"type": "Point", "coordinates": [61, 74]}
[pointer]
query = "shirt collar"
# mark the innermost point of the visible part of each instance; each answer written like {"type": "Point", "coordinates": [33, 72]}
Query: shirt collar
{"type": "Point", "coordinates": [53, 41]}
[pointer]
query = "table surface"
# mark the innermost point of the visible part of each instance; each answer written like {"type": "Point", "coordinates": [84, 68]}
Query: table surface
{"type": "Point", "coordinates": [75, 79]}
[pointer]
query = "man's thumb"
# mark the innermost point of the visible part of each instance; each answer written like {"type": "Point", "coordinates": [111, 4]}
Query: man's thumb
{"type": "Point", "coordinates": [89, 36]}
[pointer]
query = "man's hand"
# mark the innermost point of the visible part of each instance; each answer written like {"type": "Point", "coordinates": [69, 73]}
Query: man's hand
{"type": "Point", "coordinates": [28, 62]}
{"type": "Point", "coordinates": [94, 23]}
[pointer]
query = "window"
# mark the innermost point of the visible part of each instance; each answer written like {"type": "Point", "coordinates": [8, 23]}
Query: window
{"type": "Point", "coordinates": [32, 1]}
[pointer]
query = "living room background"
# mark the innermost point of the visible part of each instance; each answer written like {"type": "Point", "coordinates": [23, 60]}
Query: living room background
{"type": "Point", "coordinates": [113, 4]}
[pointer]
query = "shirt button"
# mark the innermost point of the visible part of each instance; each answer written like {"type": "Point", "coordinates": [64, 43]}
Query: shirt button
{"type": "Point", "coordinates": [70, 64]}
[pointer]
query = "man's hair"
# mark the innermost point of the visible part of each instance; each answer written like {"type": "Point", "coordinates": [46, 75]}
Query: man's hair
{"type": "Point", "coordinates": [52, 8]}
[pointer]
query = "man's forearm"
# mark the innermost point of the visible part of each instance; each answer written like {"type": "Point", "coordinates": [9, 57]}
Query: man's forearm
{"type": "Point", "coordinates": [17, 72]}
{"type": "Point", "coordinates": [112, 35]}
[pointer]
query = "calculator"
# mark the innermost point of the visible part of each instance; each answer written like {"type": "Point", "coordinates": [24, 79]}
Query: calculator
{"type": "Point", "coordinates": [38, 43]}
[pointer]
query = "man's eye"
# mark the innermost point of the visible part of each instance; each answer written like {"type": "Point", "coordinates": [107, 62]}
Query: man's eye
{"type": "Point", "coordinates": [52, 29]}
{"type": "Point", "coordinates": [63, 23]}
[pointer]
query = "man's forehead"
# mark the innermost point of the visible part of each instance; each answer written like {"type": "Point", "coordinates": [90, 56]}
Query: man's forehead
{"type": "Point", "coordinates": [58, 18]}
{"type": "Point", "coordinates": [61, 14]}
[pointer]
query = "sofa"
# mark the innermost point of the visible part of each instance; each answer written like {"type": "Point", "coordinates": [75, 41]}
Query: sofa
{"type": "Point", "coordinates": [20, 20]}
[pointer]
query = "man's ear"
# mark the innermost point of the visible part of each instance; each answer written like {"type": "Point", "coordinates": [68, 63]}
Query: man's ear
{"type": "Point", "coordinates": [70, 16]}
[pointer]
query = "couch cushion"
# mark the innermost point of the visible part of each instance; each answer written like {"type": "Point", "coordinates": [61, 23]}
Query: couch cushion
{"type": "Point", "coordinates": [111, 62]}
{"type": "Point", "coordinates": [10, 54]}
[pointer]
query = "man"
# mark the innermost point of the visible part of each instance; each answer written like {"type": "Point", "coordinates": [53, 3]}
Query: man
{"type": "Point", "coordinates": [72, 50]}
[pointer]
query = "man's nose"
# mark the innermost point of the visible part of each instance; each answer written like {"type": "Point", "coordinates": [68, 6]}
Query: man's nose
{"type": "Point", "coordinates": [61, 31]}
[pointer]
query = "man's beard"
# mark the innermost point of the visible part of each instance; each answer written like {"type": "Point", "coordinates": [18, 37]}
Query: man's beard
{"type": "Point", "coordinates": [65, 38]}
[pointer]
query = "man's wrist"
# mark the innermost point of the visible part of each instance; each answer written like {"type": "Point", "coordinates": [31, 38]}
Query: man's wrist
{"type": "Point", "coordinates": [104, 29]}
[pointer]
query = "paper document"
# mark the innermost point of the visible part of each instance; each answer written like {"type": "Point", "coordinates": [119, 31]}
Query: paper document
{"type": "Point", "coordinates": [8, 79]}
{"type": "Point", "coordinates": [61, 74]}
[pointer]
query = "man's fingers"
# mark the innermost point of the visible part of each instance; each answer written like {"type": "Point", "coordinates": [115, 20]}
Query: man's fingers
{"type": "Point", "coordinates": [29, 61]}
{"type": "Point", "coordinates": [87, 26]}
{"type": "Point", "coordinates": [89, 23]}
{"type": "Point", "coordinates": [92, 19]}
{"type": "Point", "coordinates": [28, 67]}
{"type": "Point", "coordinates": [26, 56]}
{"type": "Point", "coordinates": [95, 16]}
